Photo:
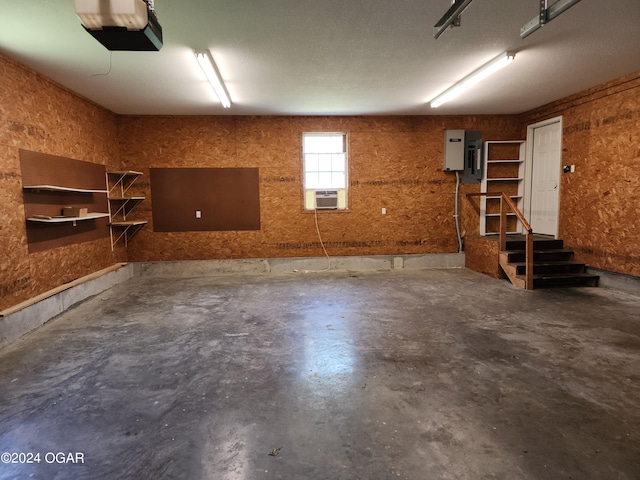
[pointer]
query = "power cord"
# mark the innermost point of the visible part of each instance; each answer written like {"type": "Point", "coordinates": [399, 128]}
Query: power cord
{"type": "Point", "coordinates": [108, 71]}
{"type": "Point", "coordinates": [315, 213]}
{"type": "Point", "coordinates": [456, 215]}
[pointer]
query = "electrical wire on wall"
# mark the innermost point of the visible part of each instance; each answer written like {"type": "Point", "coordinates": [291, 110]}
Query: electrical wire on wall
{"type": "Point", "coordinates": [108, 71]}
{"type": "Point", "coordinates": [455, 214]}
{"type": "Point", "coordinates": [315, 213]}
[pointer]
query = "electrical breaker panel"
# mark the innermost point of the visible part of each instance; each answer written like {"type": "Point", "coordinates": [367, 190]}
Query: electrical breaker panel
{"type": "Point", "coordinates": [473, 167]}
{"type": "Point", "coordinates": [463, 153]}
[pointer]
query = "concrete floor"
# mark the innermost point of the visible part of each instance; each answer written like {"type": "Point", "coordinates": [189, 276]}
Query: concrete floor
{"type": "Point", "coordinates": [429, 374]}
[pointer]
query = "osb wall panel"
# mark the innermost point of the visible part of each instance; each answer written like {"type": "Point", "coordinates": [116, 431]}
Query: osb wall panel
{"type": "Point", "coordinates": [600, 202]}
{"type": "Point", "coordinates": [38, 115]}
{"type": "Point", "coordinates": [481, 255]}
{"type": "Point", "coordinates": [394, 163]}
{"type": "Point", "coordinates": [15, 276]}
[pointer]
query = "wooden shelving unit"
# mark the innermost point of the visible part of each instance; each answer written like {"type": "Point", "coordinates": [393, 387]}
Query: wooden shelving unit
{"type": "Point", "coordinates": [124, 206]}
{"type": "Point", "coordinates": [121, 205]}
{"type": "Point", "coordinates": [62, 218]}
{"type": "Point", "coordinates": [65, 201]}
{"type": "Point", "coordinates": [503, 172]}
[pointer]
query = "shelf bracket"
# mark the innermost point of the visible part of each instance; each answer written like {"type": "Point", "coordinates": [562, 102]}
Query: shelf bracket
{"type": "Point", "coordinates": [125, 234]}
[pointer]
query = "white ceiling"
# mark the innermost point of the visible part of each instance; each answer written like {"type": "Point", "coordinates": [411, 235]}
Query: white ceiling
{"type": "Point", "coordinates": [338, 57]}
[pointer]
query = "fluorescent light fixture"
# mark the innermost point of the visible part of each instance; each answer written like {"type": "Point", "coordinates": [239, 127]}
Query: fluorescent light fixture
{"type": "Point", "coordinates": [96, 14]}
{"type": "Point", "coordinates": [480, 74]}
{"type": "Point", "coordinates": [211, 71]}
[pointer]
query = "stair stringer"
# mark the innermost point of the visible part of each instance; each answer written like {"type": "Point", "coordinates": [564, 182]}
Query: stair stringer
{"type": "Point", "coordinates": [510, 271]}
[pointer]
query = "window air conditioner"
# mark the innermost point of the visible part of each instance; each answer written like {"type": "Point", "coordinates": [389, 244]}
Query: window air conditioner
{"type": "Point", "coordinates": [326, 199]}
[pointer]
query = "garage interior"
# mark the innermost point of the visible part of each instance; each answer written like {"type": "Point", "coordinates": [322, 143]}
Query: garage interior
{"type": "Point", "coordinates": [384, 337]}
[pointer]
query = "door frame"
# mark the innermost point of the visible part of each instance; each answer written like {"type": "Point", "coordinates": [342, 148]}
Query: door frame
{"type": "Point", "coordinates": [528, 172]}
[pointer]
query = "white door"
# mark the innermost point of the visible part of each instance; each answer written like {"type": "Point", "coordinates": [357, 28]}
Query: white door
{"type": "Point", "coordinates": [545, 178]}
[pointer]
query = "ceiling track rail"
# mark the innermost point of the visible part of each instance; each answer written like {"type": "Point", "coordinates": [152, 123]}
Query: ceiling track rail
{"type": "Point", "coordinates": [452, 17]}
{"type": "Point", "coordinates": [546, 15]}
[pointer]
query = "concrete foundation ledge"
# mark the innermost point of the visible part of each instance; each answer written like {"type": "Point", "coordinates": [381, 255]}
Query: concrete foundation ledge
{"type": "Point", "coordinates": [197, 268]}
{"type": "Point", "coordinates": [201, 268]}
{"type": "Point", "coordinates": [617, 281]}
{"type": "Point", "coordinates": [21, 319]}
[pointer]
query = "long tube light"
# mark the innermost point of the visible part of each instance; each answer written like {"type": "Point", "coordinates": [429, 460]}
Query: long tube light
{"type": "Point", "coordinates": [481, 73]}
{"type": "Point", "coordinates": [213, 75]}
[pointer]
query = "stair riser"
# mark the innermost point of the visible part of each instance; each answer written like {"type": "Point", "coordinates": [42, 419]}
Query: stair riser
{"type": "Point", "coordinates": [537, 245]}
{"type": "Point", "coordinates": [516, 257]}
{"type": "Point", "coordinates": [565, 282]}
{"type": "Point", "coordinates": [577, 268]}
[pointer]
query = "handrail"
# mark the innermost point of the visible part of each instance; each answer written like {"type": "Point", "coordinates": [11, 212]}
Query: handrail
{"type": "Point", "coordinates": [518, 213]}
{"type": "Point", "coordinates": [505, 201]}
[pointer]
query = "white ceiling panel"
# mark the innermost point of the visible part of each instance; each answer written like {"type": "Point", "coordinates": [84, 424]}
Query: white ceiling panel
{"type": "Point", "coordinates": [310, 57]}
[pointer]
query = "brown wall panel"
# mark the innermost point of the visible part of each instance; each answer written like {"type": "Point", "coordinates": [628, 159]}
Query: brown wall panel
{"type": "Point", "coordinates": [43, 169]}
{"type": "Point", "coordinates": [42, 236]}
{"type": "Point", "coordinates": [226, 199]}
{"type": "Point", "coordinates": [40, 116]}
{"type": "Point", "coordinates": [53, 170]}
{"type": "Point", "coordinates": [600, 202]}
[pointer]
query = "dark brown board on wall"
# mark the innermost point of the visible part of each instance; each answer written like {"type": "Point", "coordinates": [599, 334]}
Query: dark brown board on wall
{"type": "Point", "coordinates": [227, 198]}
{"type": "Point", "coordinates": [44, 169]}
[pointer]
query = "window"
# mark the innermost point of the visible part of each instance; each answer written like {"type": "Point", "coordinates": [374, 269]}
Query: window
{"type": "Point", "coordinates": [325, 170]}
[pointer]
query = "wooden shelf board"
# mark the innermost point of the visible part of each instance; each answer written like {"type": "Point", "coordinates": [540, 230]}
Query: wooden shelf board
{"type": "Point", "coordinates": [128, 223]}
{"type": "Point", "coordinates": [55, 188]}
{"type": "Point", "coordinates": [61, 219]}
{"type": "Point", "coordinates": [125, 172]}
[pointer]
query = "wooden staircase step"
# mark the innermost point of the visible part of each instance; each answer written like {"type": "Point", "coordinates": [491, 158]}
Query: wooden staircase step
{"type": "Point", "coordinates": [550, 244]}
{"type": "Point", "coordinates": [563, 266]}
{"type": "Point", "coordinates": [553, 265]}
{"type": "Point", "coordinates": [563, 279]}
{"type": "Point", "coordinates": [540, 255]}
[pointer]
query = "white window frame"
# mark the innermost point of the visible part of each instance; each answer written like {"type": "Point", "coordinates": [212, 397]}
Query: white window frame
{"type": "Point", "coordinates": [315, 194]}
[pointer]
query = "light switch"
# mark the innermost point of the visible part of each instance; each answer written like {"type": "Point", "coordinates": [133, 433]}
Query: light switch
{"type": "Point", "coordinates": [198, 214]}
{"type": "Point", "coordinates": [384, 211]}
